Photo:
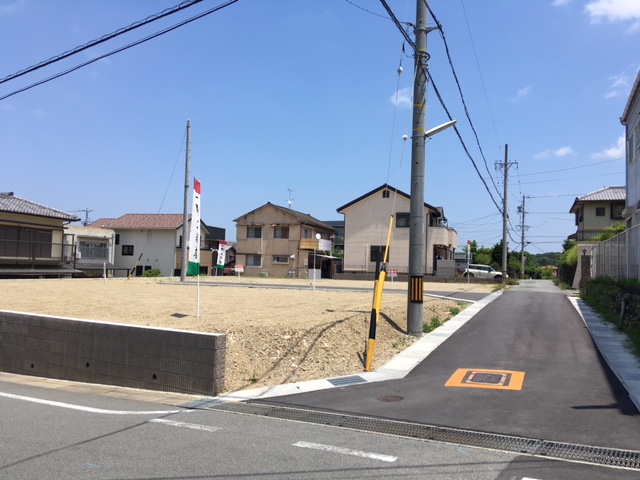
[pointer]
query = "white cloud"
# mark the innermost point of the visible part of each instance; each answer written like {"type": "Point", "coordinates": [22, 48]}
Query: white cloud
{"type": "Point", "coordinates": [558, 152]}
{"type": "Point", "coordinates": [523, 92]}
{"type": "Point", "coordinates": [613, 10]}
{"type": "Point", "coordinates": [621, 83]}
{"type": "Point", "coordinates": [402, 98]}
{"type": "Point", "coordinates": [11, 7]}
{"type": "Point", "coordinates": [614, 152]}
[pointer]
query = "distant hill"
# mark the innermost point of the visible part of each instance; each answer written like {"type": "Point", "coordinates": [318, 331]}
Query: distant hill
{"type": "Point", "coordinates": [549, 258]}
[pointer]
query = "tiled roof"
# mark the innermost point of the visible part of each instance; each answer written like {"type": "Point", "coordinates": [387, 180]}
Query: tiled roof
{"type": "Point", "coordinates": [145, 221]}
{"type": "Point", "coordinates": [302, 218]}
{"type": "Point", "coordinates": [12, 204]}
{"type": "Point", "coordinates": [608, 194]}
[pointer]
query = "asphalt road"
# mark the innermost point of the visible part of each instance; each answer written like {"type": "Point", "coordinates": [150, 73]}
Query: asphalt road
{"type": "Point", "coordinates": [523, 366]}
{"type": "Point", "coordinates": [568, 393]}
{"type": "Point", "coordinates": [50, 433]}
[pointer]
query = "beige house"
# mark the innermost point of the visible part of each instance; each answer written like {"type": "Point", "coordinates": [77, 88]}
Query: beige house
{"type": "Point", "coordinates": [595, 212]}
{"type": "Point", "coordinates": [33, 239]}
{"type": "Point", "coordinates": [366, 226]}
{"type": "Point", "coordinates": [276, 241]}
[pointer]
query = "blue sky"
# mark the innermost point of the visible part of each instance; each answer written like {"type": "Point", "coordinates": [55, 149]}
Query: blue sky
{"type": "Point", "coordinates": [305, 96]}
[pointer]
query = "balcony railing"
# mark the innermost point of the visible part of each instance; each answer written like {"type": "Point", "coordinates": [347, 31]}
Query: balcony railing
{"type": "Point", "coordinates": [91, 252]}
{"type": "Point", "coordinates": [32, 252]}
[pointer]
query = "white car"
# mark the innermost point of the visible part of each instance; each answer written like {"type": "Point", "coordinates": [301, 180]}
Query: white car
{"type": "Point", "coordinates": [482, 271]}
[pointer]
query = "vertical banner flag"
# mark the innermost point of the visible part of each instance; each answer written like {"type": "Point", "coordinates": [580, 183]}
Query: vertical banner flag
{"type": "Point", "coordinates": [194, 232]}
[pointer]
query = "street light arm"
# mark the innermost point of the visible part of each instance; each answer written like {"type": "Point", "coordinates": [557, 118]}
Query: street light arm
{"type": "Point", "coordinates": [439, 128]}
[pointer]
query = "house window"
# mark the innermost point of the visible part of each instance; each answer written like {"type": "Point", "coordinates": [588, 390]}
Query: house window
{"type": "Point", "coordinates": [281, 232]}
{"type": "Point", "coordinates": [281, 259]}
{"type": "Point", "coordinates": [127, 249]}
{"type": "Point", "coordinates": [616, 210]}
{"type": "Point", "coordinates": [117, 239]}
{"type": "Point", "coordinates": [402, 220]}
{"type": "Point", "coordinates": [599, 211]}
{"type": "Point", "coordinates": [254, 261]}
{"type": "Point", "coordinates": [385, 193]}
{"type": "Point", "coordinates": [306, 233]}
{"type": "Point", "coordinates": [254, 232]}
{"type": "Point", "coordinates": [376, 250]}
{"type": "Point", "coordinates": [93, 250]}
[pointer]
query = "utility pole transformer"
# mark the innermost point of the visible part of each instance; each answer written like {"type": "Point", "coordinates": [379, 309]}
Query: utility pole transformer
{"type": "Point", "coordinates": [417, 221]}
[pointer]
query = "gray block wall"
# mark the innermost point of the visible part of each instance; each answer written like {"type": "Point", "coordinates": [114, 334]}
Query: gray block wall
{"type": "Point", "coordinates": [112, 354]}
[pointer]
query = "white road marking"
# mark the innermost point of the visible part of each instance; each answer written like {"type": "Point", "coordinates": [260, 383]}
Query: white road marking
{"type": "Point", "coordinates": [192, 426]}
{"type": "Point", "coordinates": [88, 409]}
{"type": "Point", "coordinates": [346, 451]}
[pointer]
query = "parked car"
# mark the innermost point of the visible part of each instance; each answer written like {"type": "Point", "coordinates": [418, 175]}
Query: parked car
{"type": "Point", "coordinates": [482, 271]}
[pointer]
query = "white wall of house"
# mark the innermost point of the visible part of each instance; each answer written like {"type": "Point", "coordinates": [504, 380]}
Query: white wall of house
{"type": "Point", "coordinates": [632, 131]}
{"type": "Point", "coordinates": [97, 237]}
{"type": "Point", "coordinates": [158, 249]}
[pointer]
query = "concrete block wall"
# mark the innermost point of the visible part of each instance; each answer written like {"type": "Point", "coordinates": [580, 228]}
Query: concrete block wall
{"type": "Point", "coordinates": [112, 354]}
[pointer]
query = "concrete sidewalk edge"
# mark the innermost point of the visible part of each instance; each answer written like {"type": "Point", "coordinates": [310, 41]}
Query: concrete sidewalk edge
{"type": "Point", "coordinates": [612, 346]}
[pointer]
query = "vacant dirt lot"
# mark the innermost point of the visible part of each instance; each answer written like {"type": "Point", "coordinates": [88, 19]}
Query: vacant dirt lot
{"type": "Point", "coordinates": [275, 336]}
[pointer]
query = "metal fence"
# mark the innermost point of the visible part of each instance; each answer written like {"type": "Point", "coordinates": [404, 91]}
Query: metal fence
{"type": "Point", "coordinates": [619, 256]}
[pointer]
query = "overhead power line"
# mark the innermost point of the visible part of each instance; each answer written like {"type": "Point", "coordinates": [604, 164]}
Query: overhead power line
{"type": "Point", "coordinates": [104, 38]}
{"type": "Point", "coordinates": [441, 100]}
{"type": "Point", "coordinates": [464, 103]}
{"type": "Point", "coordinates": [121, 49]}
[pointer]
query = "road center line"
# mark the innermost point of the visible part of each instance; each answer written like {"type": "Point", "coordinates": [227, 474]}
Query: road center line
{"type": "Point", "coordinates": [71, 406]}
{"type": "Point", "coordinates": [346, 451]}
{"type": "Point", "coordinates": [192, 426]}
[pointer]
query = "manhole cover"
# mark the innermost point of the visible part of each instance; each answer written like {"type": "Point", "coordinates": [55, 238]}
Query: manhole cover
{"type": "Point", "coordinates": [486, 378]}
{"type": "Point", "coordinates": [390, 398]}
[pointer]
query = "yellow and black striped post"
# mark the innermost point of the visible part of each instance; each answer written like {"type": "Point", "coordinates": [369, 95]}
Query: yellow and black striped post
{"type": "Point", "coordinates": [378, 288]}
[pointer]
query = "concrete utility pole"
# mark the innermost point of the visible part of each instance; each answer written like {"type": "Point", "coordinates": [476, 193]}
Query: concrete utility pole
{"type": "Point", "coordinates": [185, 216]}
{"type": "Point", "coordinates": [417, 222]}
{"type": "Point", "coordinates": [522, 211]}
{"type": "Point", "coordinates": [505, 214]}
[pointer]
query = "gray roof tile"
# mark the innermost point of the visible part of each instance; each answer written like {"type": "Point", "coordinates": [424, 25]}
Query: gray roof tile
{"type": "Point", "coordinates": [12, 204]}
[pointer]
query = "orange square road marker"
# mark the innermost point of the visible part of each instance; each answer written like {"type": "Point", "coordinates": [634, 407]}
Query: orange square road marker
{"type": "Point", "coordinates": [482, 378]}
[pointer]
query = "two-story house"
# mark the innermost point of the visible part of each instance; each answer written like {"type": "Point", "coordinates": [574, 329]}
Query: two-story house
{"type": "Point", "coordinates": [366, 226]}
{"type": "Point", "coordinates": [146, 241]}
{"type": "Point", "coordinates": [32, 239]}
{"type": "Point", "coordinates": [276, 241]}
{"type": "Point", "coordinates": [597, 211]}
{"type": "Point", "coordinates": [594, 213]}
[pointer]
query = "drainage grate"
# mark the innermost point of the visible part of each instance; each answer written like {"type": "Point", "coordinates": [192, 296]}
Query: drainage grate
{"type": "Point", "coordinates": [346, 381]}
{"type": "Point", "coordinates": [508, 443]}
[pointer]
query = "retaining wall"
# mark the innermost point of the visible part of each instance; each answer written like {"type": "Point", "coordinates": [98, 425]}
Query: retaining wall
{"type": "Point", "coordinates": [112, 353]}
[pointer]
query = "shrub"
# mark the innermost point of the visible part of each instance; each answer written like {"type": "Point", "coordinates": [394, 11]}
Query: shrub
{"type": "Point", "coordinates": [154, 272]}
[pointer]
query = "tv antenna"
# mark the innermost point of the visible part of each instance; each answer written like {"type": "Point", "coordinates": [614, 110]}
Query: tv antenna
{"type": "Point", "coordinates": [290, 201]}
